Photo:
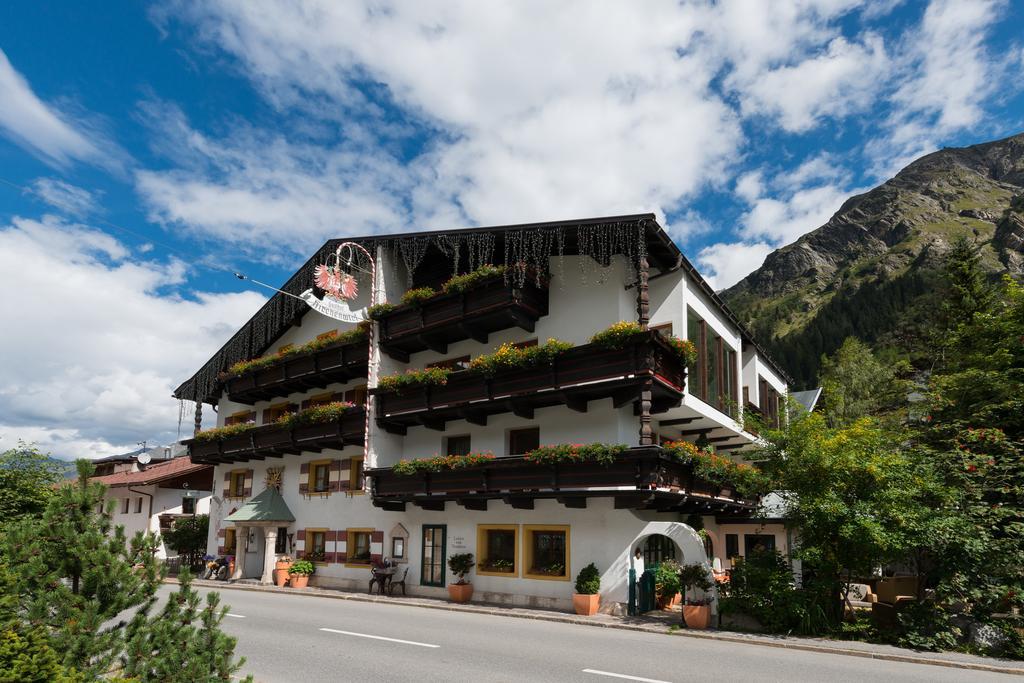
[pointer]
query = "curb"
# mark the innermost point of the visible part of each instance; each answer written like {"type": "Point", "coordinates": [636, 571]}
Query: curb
{"type": "Point", "coordinates": [572, 619]}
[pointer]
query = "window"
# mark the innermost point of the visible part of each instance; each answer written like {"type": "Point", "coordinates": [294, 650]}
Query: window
{"type": "Point", "coordinates": [498, 548]}
{"type": "Point", "coordinates": [230, 536]}
{"type": "Point", "coordinates": [188, 506]}
{"type": "Point", "coordinates": [237, 489]}
{"type": "Point", "coordinates": [356, 478]}
{"type": "Point", "coordinates": [753, 543]}
{"type": "Point", "coordinates": [124, 506]}
{"type": "Point", "coordinates": [432, 561]}
{"type": "Point", "coordinates": [138, 505]}
{"type": "Point", "coordinates": [521, 441]}
{"type": "Point", "coordinates": [770, 400]}
{"type": "Point", "coordinates": [281, 543]}
{"type": "Point", "coordinates": [316, 545]}
{"type": "Point", "coordinates": [732, 546]}
{"type": "Point", "coordinates": [240, 418]}
{"type": "Point", "coordinates": [547, 552]}
{"type": "Point", "coordinates": [658, 548]}
{"type": "Point", "coordinates": [356, 395]}
{"type": "Point", "coordinates": [457, 445]}
{"type": "Point", "coordinates": [320, 477]}
{"type": "Point", "coordinates": [398, 548]}
{"type": "Point", "coordinates": [712, 378]}
{"type": "Point", "coordinates": [358, 546]}
{"type": "Point", "coordinates": [460, 363]}
{"type": "Point", "coordinates": [277, 412]}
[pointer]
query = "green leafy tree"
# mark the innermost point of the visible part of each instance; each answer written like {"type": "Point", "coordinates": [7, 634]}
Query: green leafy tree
{"type": "Point", "coordinates": [27, 479]}
{"type": "Point", "coordinates": [856, 384]}
{"type": "Point", "coordinates": [188, 538]}
{"type": "Point", "coordinates": [853, 492]}
{"type": "Point", "coordinates": [975, 436]}
{"type": "Point", "coordinates": [76, 578]}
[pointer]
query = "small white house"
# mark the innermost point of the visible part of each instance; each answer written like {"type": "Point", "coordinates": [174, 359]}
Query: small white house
{"type": "Point", "coordinates": [150, 497]}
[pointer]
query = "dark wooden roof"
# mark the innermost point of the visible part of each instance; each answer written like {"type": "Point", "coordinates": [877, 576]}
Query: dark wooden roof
{"type": "Point", "coordinates": [281, 312]}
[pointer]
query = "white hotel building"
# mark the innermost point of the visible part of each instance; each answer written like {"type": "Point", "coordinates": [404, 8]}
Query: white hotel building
{"type": "Point", "coordinates": [530, 526]}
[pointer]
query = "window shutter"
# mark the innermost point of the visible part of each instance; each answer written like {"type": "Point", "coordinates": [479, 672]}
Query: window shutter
{"type": "Point", "coordinates": [305, 404]}
{"type": "Point", "coordinates": [247, 490]}
{"type": "Point", "coordinates": [227, 485]}
{"type": "Point", "coordinates": [304, 478]}
{"type": "Point", "coordinates": [334, 482]}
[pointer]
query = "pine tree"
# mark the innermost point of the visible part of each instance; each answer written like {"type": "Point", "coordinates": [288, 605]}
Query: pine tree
{"type": "Point", "coordinates": [78, 580]}
{"type": "Point", "coordinates": [967, 290]}
{"type": "Point", "coordinates": [183, 642]}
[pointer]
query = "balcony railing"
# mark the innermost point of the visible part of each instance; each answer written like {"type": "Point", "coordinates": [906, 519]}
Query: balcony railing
{"type": "Point", "coordinates": [474, 314]}
{"type": "Point", "coordinates": [642, 478]}
{"type": "Point", "coordinates": [313, 370]}
{"type": "Point", "coordinates": [276, 440]}
{"type": "Point", "coordinates": [580, 375]}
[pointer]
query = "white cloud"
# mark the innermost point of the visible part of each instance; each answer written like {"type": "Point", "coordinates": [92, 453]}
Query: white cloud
{"type": "Point", "coordinates": [70, 199]}
{"type": "Point", "coordinates": [94, 348]}
{"type": "Point", "coordinates": [842, 79]}
{"type": "Point", "coordinates": [723, 265]}
{"type": "Point", "coordinates": [40, 128]}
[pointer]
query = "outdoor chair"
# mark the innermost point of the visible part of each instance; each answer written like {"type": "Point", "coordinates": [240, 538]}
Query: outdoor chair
{"type": "Point", "coordinates": [399, 582]}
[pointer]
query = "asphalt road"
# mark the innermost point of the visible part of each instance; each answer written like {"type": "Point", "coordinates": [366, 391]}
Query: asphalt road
{"type": "Point", "coordinates": [310, 639]}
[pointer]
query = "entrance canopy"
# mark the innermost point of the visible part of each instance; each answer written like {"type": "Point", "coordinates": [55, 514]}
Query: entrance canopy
{"type": "Point", "coordinates": [264, 508]}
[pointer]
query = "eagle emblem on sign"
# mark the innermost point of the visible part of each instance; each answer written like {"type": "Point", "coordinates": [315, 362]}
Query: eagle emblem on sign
{"type": "Point", "coordinates": [335, 282]}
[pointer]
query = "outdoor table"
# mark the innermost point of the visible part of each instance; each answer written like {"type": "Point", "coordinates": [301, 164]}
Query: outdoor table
{"type": "Point", "coordinates": [381, 576]}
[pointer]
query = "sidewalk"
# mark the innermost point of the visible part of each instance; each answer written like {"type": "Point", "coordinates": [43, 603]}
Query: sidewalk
{"type": "Point", "coordinates": [664, 623]}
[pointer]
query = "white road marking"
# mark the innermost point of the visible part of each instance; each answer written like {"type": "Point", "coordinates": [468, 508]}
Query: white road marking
{"type": "Point", "coordinates": [367, 635]}
{"type": "Point", "coordinates": [236, 616]}
{"type": "Point", "coordinates": [628, 678]}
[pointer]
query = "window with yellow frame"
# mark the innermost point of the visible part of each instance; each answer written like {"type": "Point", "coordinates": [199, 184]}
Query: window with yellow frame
{"type": "Point", "coordinates": [497, 547]}
{"type": "Point", "coordinates": [316, 545]}
{"type": "Point", "coordinates": [320, 477]}
{"type": "Point", "coordinates": [357, 546]}
{"type": "Point", "coordinates": [546, 551]}
{"type": "Point", "coordinates": [237, 488]}
{"type": "Point", "coordinates": [356, 478]}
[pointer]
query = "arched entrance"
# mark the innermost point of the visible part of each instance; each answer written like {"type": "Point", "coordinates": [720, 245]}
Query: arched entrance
{"type": "Point", "coordinates": [660, 539]}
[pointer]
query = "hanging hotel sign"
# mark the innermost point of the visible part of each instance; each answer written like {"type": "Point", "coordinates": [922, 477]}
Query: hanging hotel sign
{"type": "Point", "coordinates": [333, 308]}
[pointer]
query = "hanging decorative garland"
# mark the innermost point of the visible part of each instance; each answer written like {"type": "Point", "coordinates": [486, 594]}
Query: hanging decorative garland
{"type": "Point", "coordinates": [525, 249]}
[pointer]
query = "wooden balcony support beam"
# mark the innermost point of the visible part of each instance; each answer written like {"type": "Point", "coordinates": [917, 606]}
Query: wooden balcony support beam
{"type": "Point", "coordinates": [518, 502]}
{"type": "Point", "coordinates": [576, 502]}
{"type": "Point", "coordinates": [433, 505]}
{"type": "Point", "coordinates": [478, 504]}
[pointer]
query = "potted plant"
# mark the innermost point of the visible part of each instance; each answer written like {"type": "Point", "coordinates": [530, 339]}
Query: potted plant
{"type": "Point", "coordinates": [460, 564]}
{"type": "Point", "coordinates": [587, 597]}
{"type": "Point", "coordinates": [696, 612]}
{"type": "Point", "coordinates": [281, 568]}
{"type": "Point", "coordinates": [666, 583]}
{"type": "Point", "coordinates": [299, 572]}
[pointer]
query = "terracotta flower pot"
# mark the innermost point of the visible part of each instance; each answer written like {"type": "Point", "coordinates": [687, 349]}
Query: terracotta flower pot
{"type": "Point", "coordinates": [281, 568]}
{"type": "Point", "coordinates": [585, 604]}
{"type": "Point", "coordinates": [697, 616]}
{"type": "Point", "coordinates": [300, 580]}
{"type": "Point", "coordinates": [460, 592]}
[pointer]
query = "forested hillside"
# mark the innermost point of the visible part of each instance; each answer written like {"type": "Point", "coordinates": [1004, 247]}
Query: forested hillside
{"type": "Point", "coordinates": [872, 271]}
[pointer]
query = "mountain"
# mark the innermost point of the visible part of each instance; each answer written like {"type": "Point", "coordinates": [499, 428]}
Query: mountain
{"type": "Point", "coordinates": [873, 270]}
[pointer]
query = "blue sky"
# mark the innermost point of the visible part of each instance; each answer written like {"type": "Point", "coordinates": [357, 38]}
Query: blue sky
{"type": "Point", "coordinates": [147, 150]}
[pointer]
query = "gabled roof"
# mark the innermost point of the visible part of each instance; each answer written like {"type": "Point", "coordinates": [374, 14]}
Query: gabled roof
{"type": "Point", "coordinates": [808, 399]}
{"type": "Point", "coordinates": [639, 233]}
{"type": "Point", "coordinates": [268, 506]}
{"type": "Point", "coordinates": [155, 473]}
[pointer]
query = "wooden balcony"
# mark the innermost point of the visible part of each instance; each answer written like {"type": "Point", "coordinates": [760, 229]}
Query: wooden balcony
{"type": "Point", "coordinates": [313, 370]}
{"type": "Point", "coordinates": [449, 318]}
{"type": "Point", "coordinates": [582, 374]}
{"type": "Point", "coordinates": [276, 440]}
{"type": "Point", "coordinates": [642, 478]}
